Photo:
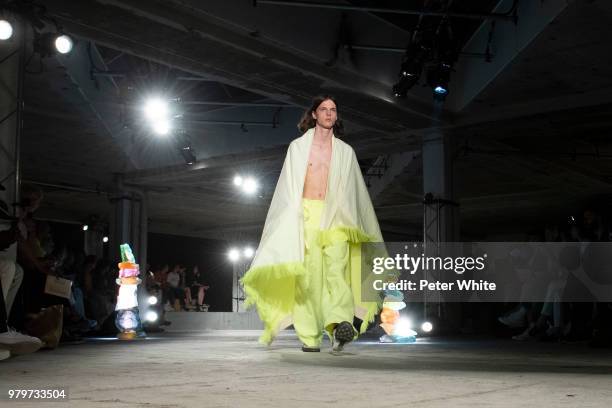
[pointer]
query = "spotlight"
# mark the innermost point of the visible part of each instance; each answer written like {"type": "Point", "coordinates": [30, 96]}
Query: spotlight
{"type": "Point", "coordinates": [85, 227]}
{"type": "Point", "coordinates": [6, 30]}
{"type": "Point", "coordinates": [233, 254]}
{"type": "Point", "coordinates": [410, 73]}
{"type": "Point", "coordinates": [63, 44]}
{"type": "Point", "coordinates": [438, 78]}
{"type": "Point", "coordinates": [152, 300]}
{"type": "Point", "coordinates": [48, 44]}
{"type": "Point", "coordinates": [151, 316]}
{"type": "Point", "coordinates": [248, 252]}
{"type": "Point", "coordinates": [411, 68]}
{"type": "Point", "coordinates": [187, 153]}
{"type": "Point", "coordinates": [399, 91]}
{"type": "Point", "coordinates": [250, 185]}
{"type": "Point", "coordinates": [105, 240]}
{"type": "Point", "coordinates": [237, 181]}
{"type": "Point", "coordinates": [427, 327]}
{"type": "Point", "coordinates": [440, 90]}
{"type": "Point", "coordinates": [156, 109]}
{"type": "Point", "coordinates": [161, 127]}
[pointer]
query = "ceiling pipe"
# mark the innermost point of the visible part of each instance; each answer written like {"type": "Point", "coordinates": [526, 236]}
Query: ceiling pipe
{"type": "Point", "coordinates": [347, 7]}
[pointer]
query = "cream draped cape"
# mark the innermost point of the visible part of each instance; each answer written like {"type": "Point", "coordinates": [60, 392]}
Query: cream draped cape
{"type": "Point", "coordinates": [277, 269]}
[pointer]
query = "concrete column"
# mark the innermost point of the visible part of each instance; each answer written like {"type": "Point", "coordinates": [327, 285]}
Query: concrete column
{"type": "Point", "coordinates": [130, 222]}
{"type": "Point", "coordinates": [441, 213]}
{"type": "Point", "coordinates": [440, 218]}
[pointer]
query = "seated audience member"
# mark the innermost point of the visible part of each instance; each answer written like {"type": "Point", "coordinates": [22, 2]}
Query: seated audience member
{"type": "Point", "coordinates": [196, 286]}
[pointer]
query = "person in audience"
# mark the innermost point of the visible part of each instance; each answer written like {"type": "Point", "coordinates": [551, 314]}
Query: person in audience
{"type": "Point", "coordinates": [11, 341]}
{"type": "Point", "coordinates": [196, 286]}
{"type": "Point", "coordinates": [174, 291]}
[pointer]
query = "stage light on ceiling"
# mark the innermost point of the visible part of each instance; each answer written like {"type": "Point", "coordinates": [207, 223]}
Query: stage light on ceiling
{"type": "Point", "coordinates": [49, 44]}
{"type": "Point", "coordinates": [238, 181]}
{"type": "Point", "coordinates": [427, 327]}
{"type": "Point", "coordinates": [161, 127]}
{"type": "Point", "coordinates": [248, 252]}
{"type": "Point", "coordinates": [152, 300]}
{"type": "Point", "coordinates": [151, 316]}
{"type": "Point", "coordinates": [6, 30]}
{"type": "Point", "coordinates": [250, 185]}
{"type": "Point", "coordinates": [105, 240]}
{"type": "Point", "coordinates": [399, 91]}
{"type": "Point", "coordinates": [438, 78]}
{"type": "Point", "coordinates": [63, 44]}
{"type": "Point", "coordinates": [233, 254]}
{"type": "Point", "coordinates": [156, 109]}
{"type": "Point", "coordinates": [440, 90]}
{"type": "Point", "coordinates": [187, 153]}
{"type": "Point", "coordinates": [85, 227]}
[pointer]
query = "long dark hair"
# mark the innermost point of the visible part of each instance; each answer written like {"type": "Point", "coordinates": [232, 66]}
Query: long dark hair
{"type": "Point", "coordinates": [308, 122]}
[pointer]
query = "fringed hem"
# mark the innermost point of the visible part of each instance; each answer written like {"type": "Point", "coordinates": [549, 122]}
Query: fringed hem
{"type": "Point", "coordinates": [370, 316]}
{"type": "Point", "coordinates": [272, 311]}
{"type": "Point", "coordinates": [343, 233]}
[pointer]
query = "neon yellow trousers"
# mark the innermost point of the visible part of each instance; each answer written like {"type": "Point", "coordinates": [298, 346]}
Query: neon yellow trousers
{"type": "Point", "coordinates": [326, 298]}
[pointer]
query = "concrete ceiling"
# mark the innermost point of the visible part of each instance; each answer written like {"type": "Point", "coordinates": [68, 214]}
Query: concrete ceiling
{"type": "Point", "coordinates": [533, 143]}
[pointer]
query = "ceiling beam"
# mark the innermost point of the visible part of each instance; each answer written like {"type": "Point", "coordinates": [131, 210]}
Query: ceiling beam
{"type": "Point", "coordinates": [472, 76]}
{"type": "Point", "coordinates": [194, 42]}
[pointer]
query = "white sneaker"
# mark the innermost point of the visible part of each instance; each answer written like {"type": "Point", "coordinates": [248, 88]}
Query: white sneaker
{"type": "Point", "coordinates": [18, 343]}
{"type": "Point", "coordinates": [4, 354]}
{"type": "Point", "coordinates": [514, 320]}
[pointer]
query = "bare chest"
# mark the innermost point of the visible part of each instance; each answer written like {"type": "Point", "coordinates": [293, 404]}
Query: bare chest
{"type": "Point", "coordinates": [315, 184]}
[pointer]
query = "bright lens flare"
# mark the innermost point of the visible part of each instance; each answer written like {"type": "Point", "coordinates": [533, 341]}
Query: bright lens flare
{"type": "Point", "coordinates": [233, 254]}
{"type": "Point", "coordinates": [63, 44]}
{"type": "Point", "coordinates": [427, 327]}
{"type": "Point", "coordinates": [156, 109]}
{"type": "Point", "coordinates": [250, 185]}
{"type": "Point", "coordinates": [161, 127]}
{"type": "Point", "coordinates": [6, 30]}
{"type": "Point", "coordinates": [151, 316]}
{"type": "Point", "coordinates": [403, 328]}
{"type": "Point", "coordinates": [152, 300]}
{"type": "Point", "coordinates": [248, 252]}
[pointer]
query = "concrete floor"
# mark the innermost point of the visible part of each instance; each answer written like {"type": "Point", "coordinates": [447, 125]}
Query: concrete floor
{"type": "Point", "coordinates": [229, 369]}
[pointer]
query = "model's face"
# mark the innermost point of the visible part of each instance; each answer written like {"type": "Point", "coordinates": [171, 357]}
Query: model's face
{"type": "Point", "coordinates": [325, 115]}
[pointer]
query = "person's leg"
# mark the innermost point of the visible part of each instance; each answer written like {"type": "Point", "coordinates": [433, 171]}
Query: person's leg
{"type": "Point", "coordinates": [170, 295]}
{"type": "Point", "coordinates": [200, 295]}
{"type": "Point", "coordinates": [187, 297]}
{"type": "Point", "coordinates": [15, 285]}
{"type": "Point", "coordinates": [307, 316]}
{"type": "Point", "coordinates": [338, 306]}
{"type": "Point", "coordinates": [7, 274]}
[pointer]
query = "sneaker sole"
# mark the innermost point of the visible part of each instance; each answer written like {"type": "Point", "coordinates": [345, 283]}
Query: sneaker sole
{"type": "Point", "coordinates": [22, 348]}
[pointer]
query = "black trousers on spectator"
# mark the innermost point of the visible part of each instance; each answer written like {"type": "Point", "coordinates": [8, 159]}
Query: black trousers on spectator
{"type": "Point", "coordinates": [175, 293]}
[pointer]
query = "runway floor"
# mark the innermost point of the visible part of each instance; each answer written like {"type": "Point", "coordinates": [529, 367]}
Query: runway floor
{"type": "Point", "coordinates": [229, 369]}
